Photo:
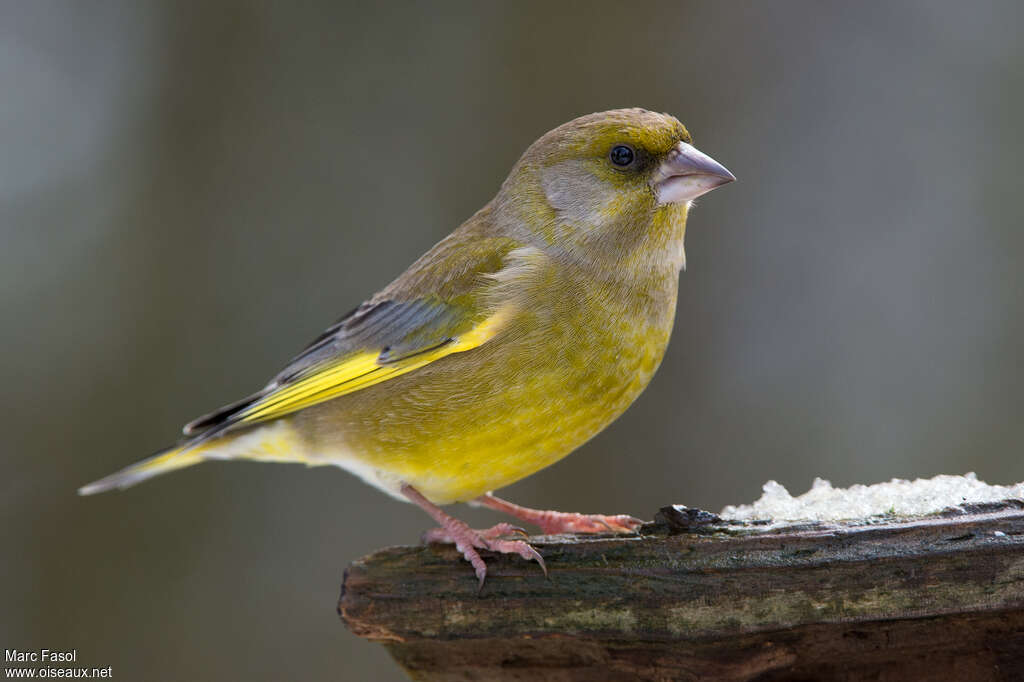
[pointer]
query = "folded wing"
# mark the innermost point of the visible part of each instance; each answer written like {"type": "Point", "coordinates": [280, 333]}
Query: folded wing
{"type": "Point", "coordinates": [436, 309]}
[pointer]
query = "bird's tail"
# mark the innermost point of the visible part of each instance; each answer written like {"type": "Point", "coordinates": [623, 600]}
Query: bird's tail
{"type": "Point", "coordinates": [272, 442]}
{"type": "Point", "coordinates": [168, 460]}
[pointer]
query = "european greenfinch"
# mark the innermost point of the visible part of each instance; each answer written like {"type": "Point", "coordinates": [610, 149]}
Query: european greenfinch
{"type": "Point", "coordinates": [513, 341]}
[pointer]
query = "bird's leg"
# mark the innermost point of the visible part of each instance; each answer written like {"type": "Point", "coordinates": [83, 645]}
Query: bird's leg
{"type": "Point", "coordinates": [552, 522]}
{"type": "Point", "coordinates": [468, 540]}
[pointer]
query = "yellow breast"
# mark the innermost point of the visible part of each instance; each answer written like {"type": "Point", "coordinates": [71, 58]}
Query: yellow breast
{"type": "Point", "coordinates": [569, 364]}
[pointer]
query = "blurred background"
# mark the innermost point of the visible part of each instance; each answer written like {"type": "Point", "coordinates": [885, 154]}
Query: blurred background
{"type": "Point", "coordinates": [190, 192]}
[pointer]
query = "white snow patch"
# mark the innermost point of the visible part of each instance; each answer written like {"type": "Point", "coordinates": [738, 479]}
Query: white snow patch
{"type": "Point", "coordinates": [898, 497]}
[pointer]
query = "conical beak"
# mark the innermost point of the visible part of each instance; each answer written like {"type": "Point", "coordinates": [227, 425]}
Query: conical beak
{"type": "Point", "coordinates": [686, 173]}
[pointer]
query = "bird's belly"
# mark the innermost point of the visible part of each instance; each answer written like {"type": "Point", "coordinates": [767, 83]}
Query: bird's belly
{"type": "Point", "coordinates": [483, 419]}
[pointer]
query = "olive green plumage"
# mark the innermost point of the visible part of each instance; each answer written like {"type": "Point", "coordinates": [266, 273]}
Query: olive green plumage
{"type": "Point", "coordinates": [509, 344]}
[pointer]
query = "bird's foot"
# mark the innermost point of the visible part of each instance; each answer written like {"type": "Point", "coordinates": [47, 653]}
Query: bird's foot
{"type": "Point", "coordinates": [501, 531]}
{"type": "Point", "coordinates": [468, 540]}
{"type": "Point", "coordinates": [554, 522]}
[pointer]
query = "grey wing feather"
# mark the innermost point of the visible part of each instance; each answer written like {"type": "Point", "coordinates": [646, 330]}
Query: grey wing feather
{"type": "Point", "coordinates": [395, 328]}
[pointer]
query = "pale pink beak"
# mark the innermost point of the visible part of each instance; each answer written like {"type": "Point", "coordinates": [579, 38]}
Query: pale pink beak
{"type": "Point", "coordinates": [686, 173]}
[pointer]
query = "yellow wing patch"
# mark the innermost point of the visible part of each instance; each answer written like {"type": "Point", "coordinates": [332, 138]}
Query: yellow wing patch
{"type": "Point", "coordinates": [354, 372]}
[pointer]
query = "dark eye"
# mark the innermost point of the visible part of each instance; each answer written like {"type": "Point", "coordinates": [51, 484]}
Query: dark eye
{"type": "Point", "coordinates": [621, 155]}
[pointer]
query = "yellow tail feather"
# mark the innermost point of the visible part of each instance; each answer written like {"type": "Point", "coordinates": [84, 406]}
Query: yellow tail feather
{"type": "Point", "coordinates": [175, 458]}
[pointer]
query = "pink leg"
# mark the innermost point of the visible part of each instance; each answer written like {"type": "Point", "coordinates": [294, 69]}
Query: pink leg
{"type": "Point", "coordinates": [552, 522]}
{"type": "Point", "coordinates": [467, 540]}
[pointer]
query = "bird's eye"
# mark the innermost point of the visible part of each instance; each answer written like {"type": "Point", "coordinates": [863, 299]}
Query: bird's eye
{"type": "Point", "coordinates": [621, 155]}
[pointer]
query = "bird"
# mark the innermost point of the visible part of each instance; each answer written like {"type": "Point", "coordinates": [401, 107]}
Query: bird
{"type": "Point", "coordinates": [508, 345]}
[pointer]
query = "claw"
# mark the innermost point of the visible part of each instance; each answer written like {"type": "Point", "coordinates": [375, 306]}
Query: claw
{"type": "Point", "coordinates": [523, 549]}
{"type": "Point", "coordinates": [517, 530]}
{"type": "Point", "coordinates": [535, 555]}
{"type": "Point", "coordinates": [502, 529]}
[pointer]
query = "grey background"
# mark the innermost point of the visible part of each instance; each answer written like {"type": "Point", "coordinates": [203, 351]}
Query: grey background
{"type": "Point", "coordinates": [189, 192]}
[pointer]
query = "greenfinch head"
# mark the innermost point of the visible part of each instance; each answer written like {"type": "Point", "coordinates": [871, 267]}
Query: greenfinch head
{"type": "Point", "coordinates": [604, 176]}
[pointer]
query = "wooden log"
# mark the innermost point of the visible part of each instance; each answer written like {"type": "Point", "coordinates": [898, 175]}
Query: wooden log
{"type": "Point", "coordinates": [692, 597]}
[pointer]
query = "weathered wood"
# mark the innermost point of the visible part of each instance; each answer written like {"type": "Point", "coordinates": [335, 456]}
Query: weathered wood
{"type": "Point", "coordinates": [692, 597]}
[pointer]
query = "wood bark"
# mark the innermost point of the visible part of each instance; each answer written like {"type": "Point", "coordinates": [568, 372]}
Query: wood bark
{"type": "Point", "coordinates": [692, 597]}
